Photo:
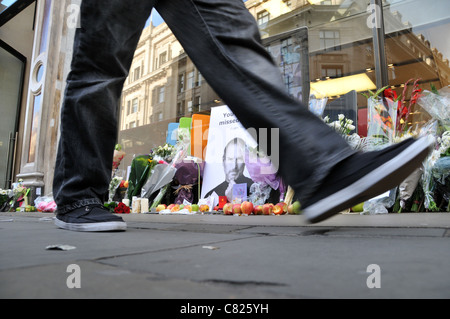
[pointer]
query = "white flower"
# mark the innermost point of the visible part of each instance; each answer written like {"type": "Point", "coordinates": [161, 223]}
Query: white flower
{"type": "Point", "coordinates": [341, 117]}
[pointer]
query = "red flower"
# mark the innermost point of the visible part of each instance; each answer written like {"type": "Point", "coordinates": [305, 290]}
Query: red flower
{"type": "Point", "coordinates": [390, 94]}
{"type": "Point", "coordinates": [122, 209]}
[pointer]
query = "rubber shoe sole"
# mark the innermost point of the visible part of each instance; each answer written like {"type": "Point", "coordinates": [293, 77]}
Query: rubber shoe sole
{"type": "Point", "coordinates": [92, 227]}
{"type": "Point", "coordinates": [378, 181]}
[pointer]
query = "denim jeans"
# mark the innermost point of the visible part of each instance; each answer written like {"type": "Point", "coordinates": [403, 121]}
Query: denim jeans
{"type": "Point", "coordinates": [222, 39]}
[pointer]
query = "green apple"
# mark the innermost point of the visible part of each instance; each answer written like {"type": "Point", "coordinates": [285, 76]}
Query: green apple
{"type": "Point", "coordinates": [358, 208]}
{"type": "Point", "coordinates": [296, 208]}
{"type": "Point", "coordinates": [195, 207]}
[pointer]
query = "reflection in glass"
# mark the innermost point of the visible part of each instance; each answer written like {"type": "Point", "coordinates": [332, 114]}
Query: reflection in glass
{"type": "Point", "coordinates": [341, 60]}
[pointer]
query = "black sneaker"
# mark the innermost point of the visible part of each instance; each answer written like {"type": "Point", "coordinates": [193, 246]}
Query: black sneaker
{"type": "Point", "coordinates": [90, 219]}
{"type": "Point", "coordinates": [364, 176]}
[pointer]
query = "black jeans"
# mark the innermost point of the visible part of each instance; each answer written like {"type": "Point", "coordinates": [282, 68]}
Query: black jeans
{"type": "Point", "coordinates": [222, 39]}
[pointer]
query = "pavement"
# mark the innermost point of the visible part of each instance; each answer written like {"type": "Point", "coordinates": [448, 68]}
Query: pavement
{"type": "Point", "coordinates": [229, 257]}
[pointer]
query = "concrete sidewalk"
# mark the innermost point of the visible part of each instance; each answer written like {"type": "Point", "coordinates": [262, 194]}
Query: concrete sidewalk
{"type": "Point", "coordinates": [217, 256]}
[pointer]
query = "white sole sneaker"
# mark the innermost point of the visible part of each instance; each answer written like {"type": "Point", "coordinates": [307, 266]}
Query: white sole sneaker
{"type": "Point", "coordinates": [92, 227]}
{"type": "Point", "coordinates": [378, 181]}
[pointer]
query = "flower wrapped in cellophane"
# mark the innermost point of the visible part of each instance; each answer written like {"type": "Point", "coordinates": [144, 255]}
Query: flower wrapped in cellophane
{"type": "Point", "coordinates": [187, 180]}
{"type": "Point", "coordinates": [267, 183]}
{"type": "Point", "coordinates": [437, 165]}
{"type": "Point", "coordinates": [381, 118]}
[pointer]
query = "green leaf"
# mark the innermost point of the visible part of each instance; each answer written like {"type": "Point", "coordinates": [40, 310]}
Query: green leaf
{"type": "Point", "coordinates": [381, 90]}
{"type": "Point", "coordinates": [434, 89]}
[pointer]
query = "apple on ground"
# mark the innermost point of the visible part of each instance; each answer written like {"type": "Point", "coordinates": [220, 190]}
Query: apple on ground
{"type": "Point", "coordinates": [204, 208]}
{"type": "Point", "coordinates": [195, 207]}
{"type": "Point", "coordinates": [294, 208]}
{"type": "Point", "coordinates": [258, 210]}
{"type": "Point", "coordinates": [358, 208]}
{"type": "Point", "coordinates": [267, 209]}
{"type": "Point", "coordinates": [246, 208]}
{"type": "Point", "coordinates": [188, 207]}
{"type": "Point", "coordinates": [277, 210]}
{"type": "Point", "coordinates": [171, 206]}
{"type": "Point", "coordinates": [161, 207]}
{"type": "Point", "coordinates": [236, 209]}
{"type": "Point", "coordinates": [175, 208]}
{"type": "Point", "coordinates": [228, 209]}
{"type": "Point", "coordinates": [283, 206]}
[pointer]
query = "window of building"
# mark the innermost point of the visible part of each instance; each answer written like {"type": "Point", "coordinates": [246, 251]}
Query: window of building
{"type": "Point", "coordinates": [263, 17]}
{"type": "Point", "coordinates": [330, 39]}
{"type": "Point", "coordinates": [135, 105]}
{"type": "Point", "coordinates": [199, 79]}
{"type": "Point", "coordinates": [181, 83]}
{"type": "Point", "coordinates": [161, 91]}
{"type": "Point", "coordinates": [137, 73]}
{"type": "Point", "coordinates": [180, 108]}
{"type": "Point", "coordinates": [162, 58]}
{"type": "Point", "coordinates": [190, 80]}
{"type": "Point", "coordinates": [332, 71]}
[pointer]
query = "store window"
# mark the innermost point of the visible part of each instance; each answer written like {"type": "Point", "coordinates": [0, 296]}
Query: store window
{"type": "Point", "coordinates": [342, 58]}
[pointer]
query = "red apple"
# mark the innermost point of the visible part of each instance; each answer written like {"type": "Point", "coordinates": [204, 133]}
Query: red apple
{"type": "Point", "coordinates": [236, 209]}
{"type": "Point", "coordinates": [258, 210]}
{"type": "Point", "coordinates": [228, 209]}
{"type": "Point", "coordinates": [283, 206]}
{"type": "Point", "coordinates": [171, 206]}
{"type": "Point", "coordinates": [277, 210]}
{"type": "Point", "coordinates": [267, 209]}
{"type": "Point", "coordinates": [246, 208]}
{"type": "Point", "coordinates": [161, 207]}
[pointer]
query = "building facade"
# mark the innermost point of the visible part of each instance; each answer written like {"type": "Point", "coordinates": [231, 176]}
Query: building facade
{"type": "Point", "coordinates": [382, 42]}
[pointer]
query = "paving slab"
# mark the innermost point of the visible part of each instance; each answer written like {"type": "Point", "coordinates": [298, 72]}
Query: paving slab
{"type": "Point", "coordinates": [216, 256]}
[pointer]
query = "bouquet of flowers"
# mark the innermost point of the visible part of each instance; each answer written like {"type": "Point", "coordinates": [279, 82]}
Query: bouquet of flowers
{"type": "Point", "coordinates": [165, 153]}
{"type": "Point", "coordinates": [141, 167]}
{"type": "Point", "coordinates": [188, 174]}
{"type": "Point", "coordinates": [437, 165]}
{"type": "Point", "coordinates": [118, 156]}
{"type": "Point", "coordinates": [179, 152]}
{"type": "Point", "coordinates": [344, 127]}
{"type": "Point", "coordinates": [121, 209]}
{"type": "Point", "coordinates": [113, 185]}
{"type": "Point", "coordinates": [382, 116]}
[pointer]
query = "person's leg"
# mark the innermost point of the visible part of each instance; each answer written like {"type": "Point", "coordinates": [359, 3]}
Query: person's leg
{"type": "Point", "coordinates": [103, 51]}
{"type": "Point", "coordinates": [222, 39]}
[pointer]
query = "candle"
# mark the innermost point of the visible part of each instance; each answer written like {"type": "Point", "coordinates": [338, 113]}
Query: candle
{"type": "Point", "coordinates": [136, 205]}
{"type": "Point", "coordinates": [144, 205]}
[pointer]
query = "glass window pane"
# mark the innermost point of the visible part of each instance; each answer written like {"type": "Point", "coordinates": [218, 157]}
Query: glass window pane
{"type": "Point", "coordinates": [417, 47]}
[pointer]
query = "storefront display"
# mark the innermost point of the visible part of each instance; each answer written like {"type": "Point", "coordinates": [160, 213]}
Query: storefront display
{"type": "Point", "coordinates": [375, 78]}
